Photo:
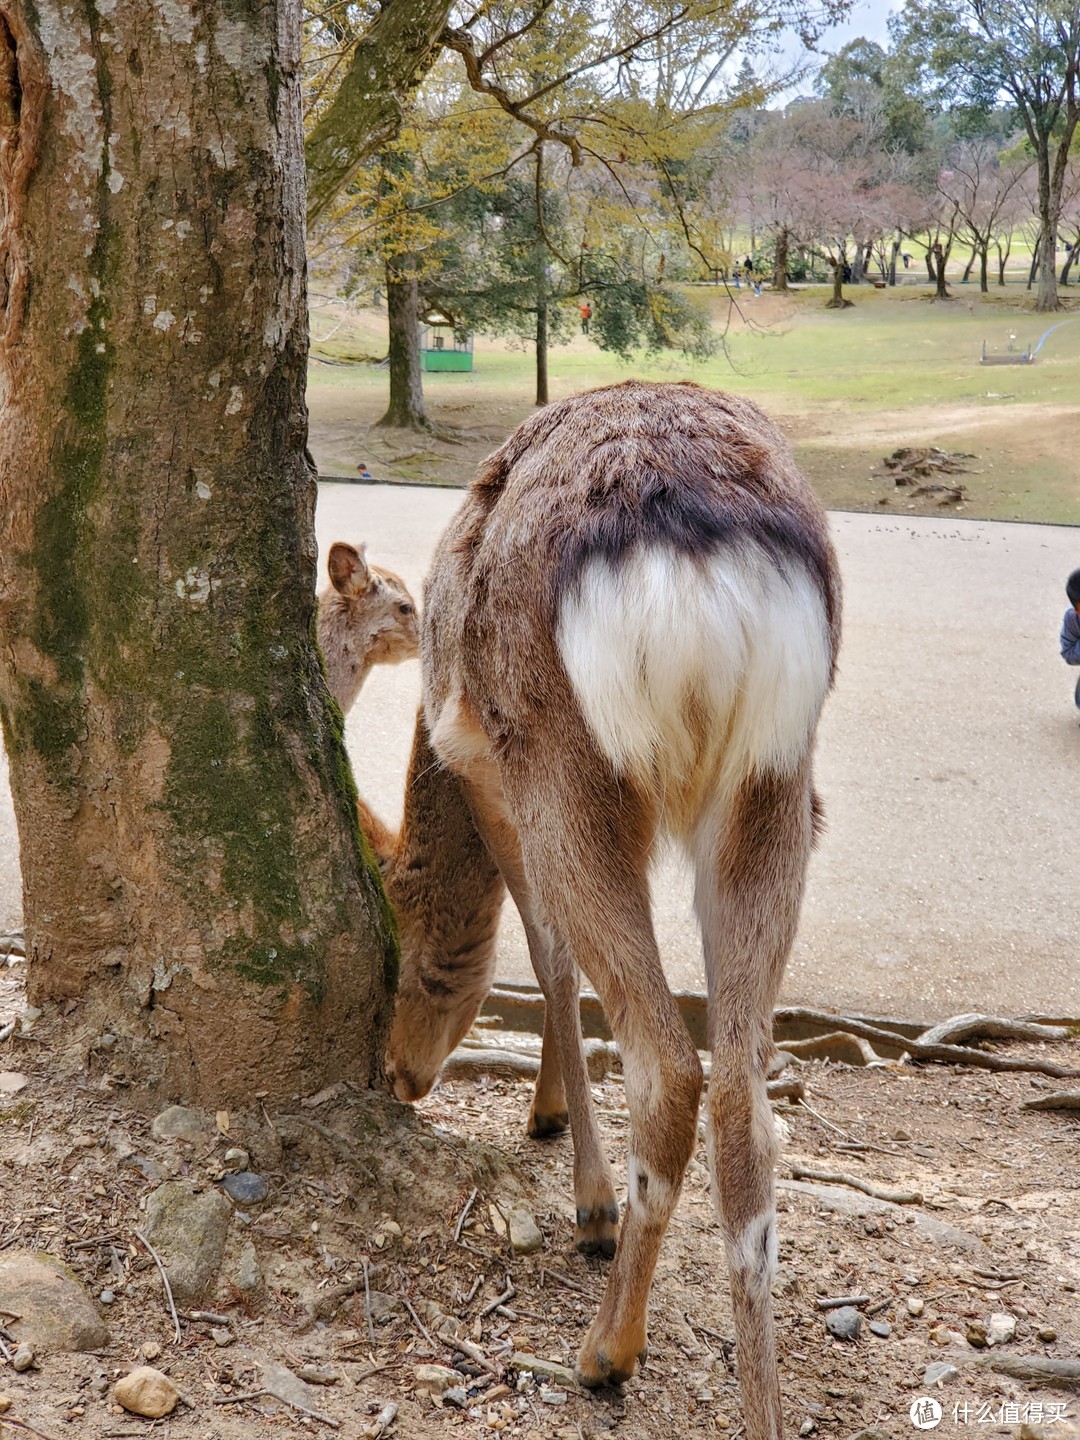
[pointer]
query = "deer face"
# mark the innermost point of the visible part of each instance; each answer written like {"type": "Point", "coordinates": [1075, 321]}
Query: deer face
{"type": "Point", "coordinates": [366, 618]}
{"type": "Point", "coordinates": [431, 1017]}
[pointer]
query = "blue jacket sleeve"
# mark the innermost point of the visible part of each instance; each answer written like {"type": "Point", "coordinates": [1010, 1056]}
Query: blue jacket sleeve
{"type": "Point", "coordinates": [1070, 638]}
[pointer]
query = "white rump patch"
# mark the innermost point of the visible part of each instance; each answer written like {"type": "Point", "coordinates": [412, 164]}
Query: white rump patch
{"type": "Point", "coordinates": [694, 672]}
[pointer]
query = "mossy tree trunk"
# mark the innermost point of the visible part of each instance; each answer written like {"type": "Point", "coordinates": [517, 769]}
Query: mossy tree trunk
{"type": "Point", "coordinates": [405, 410]}
{"type": "Point", "coordinates": [193, 872]}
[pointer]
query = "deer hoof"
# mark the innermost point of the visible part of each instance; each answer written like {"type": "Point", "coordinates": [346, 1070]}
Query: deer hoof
{"type": "Point", "coordinates": [597, 1230]}
{"type": "Point", "coordinates": [608, 1364]}
{"type": "Point", "coordinates": [543, 1127]}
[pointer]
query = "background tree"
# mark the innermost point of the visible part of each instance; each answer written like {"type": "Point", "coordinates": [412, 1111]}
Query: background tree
{"type": "Point", "coordinates": [192, 866]}
{"type": "Point", "coordinates": [973, 52]}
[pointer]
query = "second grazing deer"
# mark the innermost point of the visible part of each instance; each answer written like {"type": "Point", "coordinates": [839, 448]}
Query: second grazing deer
{"type": "Point", "coordinates": [630, 628]}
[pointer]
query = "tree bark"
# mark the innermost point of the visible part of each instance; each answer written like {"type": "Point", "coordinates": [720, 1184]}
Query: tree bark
{"type": "Point", "coordinates": [406, 408]}
{"type": "Point", "coordinates": [1069, 258]}
{"type": "Point", "coordinates": [1046, 296]}
{"type": "Point", "coordinates": [542, 350]}
{"type": "Point", "coordinates": [984, 262]}
{"type": "Point", "coordinates": [837, 302]}
{"type": "Point", "coordinates": [1003, 260]}
{"type": "Point", "coordinates": [541, 326]}
{"type": "Point", "coordinates": [941, 256]}
{"type": "Point", "coordinates": [192, 867]}
{"type": "Point", "coordinates": [780, 258]}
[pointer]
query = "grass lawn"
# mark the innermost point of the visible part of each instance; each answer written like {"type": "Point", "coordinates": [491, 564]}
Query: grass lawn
{"type": "Point", "coordinates": [847, 386]}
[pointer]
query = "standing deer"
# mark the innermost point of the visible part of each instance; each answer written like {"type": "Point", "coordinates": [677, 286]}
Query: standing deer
{"type": "Point", "coordinates": [630, 628]}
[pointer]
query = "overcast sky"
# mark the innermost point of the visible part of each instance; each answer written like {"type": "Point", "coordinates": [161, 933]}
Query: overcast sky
{"type": "Point", "coordinates": [868, 19]}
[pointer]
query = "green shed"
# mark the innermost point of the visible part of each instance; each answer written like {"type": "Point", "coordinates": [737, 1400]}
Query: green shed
{"type": "Point", "coordinates": [442, 345]}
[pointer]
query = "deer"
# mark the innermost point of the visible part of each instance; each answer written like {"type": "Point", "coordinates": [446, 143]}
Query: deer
{"type": "Point", "coordinates": [630, 629]}
{"type": "Point", "coordinates": [366, 617]}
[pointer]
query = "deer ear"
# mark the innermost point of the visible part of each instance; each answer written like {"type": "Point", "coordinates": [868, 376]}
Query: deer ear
{"type": "Point", "coordinates": [349, 573]}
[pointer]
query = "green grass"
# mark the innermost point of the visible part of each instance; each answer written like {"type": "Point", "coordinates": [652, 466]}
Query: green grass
{"type": "Point", "coordinates": [849, 386]}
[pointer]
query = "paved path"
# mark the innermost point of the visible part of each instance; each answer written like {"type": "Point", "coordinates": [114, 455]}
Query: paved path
{"type": "Point", "coordinates": [949, 761]}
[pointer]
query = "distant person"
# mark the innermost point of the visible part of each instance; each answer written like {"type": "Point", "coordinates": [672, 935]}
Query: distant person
{"type": "Point", "coordinates": [585, 311]}
{"type": "Point", "coordinates": [1070, 627]}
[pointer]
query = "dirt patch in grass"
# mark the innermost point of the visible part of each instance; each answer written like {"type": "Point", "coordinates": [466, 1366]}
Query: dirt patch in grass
{"type": "Point", "coordinates": [997, 1230]}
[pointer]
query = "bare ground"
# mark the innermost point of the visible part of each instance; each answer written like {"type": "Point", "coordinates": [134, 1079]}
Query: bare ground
{"type": "Point", "coordinates": [997, 1230]}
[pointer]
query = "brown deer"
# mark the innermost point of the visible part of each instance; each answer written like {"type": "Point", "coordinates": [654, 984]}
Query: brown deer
{"type": "Point", "coordinates": [630, 628]}
{"type": "Point", "coordinates": [366, 617]}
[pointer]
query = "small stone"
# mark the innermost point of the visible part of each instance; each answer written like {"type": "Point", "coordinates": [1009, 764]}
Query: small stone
{"type": "Point", "coordinates": [222, 1335]}
{"type": "Point", "coordinates": [915, 1306]}
{"type": "Point", "coordinates": [23, 1358]}
{"type": "Point", "coordinates": [975, 1334]}
{"type": "Point", "coordinates": [1047, 1334]}
{"type": "Point", "coordinates": [543, 1369]}
{"type": "Point", "coordinates": [456, 1396]}
{"type": "Point", "coordinates": [525, 1236]}
{"type": "Point", "coordinates": [938, 1372]}
{"type": "Point", "coordinates": [550, 1396]}
{"type": "Point", "coordinates": [942, 1335]}
{"type": "Point", "coordinates": [106, 1040]}
{"type": "Point", "coordinates": [901, 1134]}
{"type": "Point", "coordinates": [435, 1380]}
{"type": "Point", "coordinates": [99, 1386]}
{"type": "Point", "coordinates": [55, 1312]}
{"type": "Point", "coordinates": [177, 1122]}
{"type": "Point", "coordinates": [5, 1403]}
{"type": "Point", "coordinates": [785, 1281]}
{"type": "Point", "coordinates": [319, 1374]}
{"type": "Point", "coordinates": [12, 1081]}
{"type": "Point", "coordinates": [881, 1328]}
{"type": "Point", "coordinates": [844, 1323]}
{"type": "Point", "coordinates": [236, 1159]}
{"type": "Point", "coordinates": [189, 1231]}
{"type": "Point", "coordinates": [248, 1274]}
{"type": "Point", "coordinates": [245, 1187]}
{"type": "Point", "coordinates": [1001, 1330]}
{"type": "Point", "coordinates": [147, 1392]}
{"type": "Point", "coordinates": [807, 1427]}
{"type": "Point", "coordinates": [150, 1351]}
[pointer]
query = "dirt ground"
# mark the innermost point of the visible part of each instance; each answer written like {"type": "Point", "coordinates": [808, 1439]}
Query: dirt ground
{"type": "Point", "coordinates": [996, 1229]}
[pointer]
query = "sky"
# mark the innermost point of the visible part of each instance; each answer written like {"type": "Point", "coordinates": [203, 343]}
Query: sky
{"type": "Point", "coordinates": [868, 19]}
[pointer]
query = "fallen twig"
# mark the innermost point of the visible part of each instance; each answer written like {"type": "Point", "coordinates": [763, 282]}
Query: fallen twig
{"type": "Point", "coordinates": [367, 1300]}
{"type": "Point", "coordinates": [508, 1294]}
{"type": "Point", "coordinates": [785, 1090]}
{"type": "Point", "coordinates": [465, 1214]}
{"type": "Point", "coordinates": [564, 1282]}
{"type": "Point", "coordinates": [164, 1280]}
{"type": "Point", "coordinates": [867, 1144]}
{"type": "Point", "coordinates": [245, 1396]}
{"type": "Point", "coordinates": [6, 1031]}
{"type": "Point", "coordinates": [837, 1177]}
{"type": "Point", "coordinates": [207, 1317]}
{"type": "Point", "coordinates": [382, 1422]}
{"type": "Point", "coordinates": [424, 1331]}
{"type": "Point", "coordinates": [834, 1302]}
{"type": "Point", "coordinates": [476, 1355]}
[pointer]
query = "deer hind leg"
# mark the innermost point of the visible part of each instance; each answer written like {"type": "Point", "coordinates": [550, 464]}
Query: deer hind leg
{"type": "Point", "coordinates": [750, 865]}
{"type": "Point", "coordinates": [562, 1093]}
{"type": "Point", "coordinates": [585, 852]}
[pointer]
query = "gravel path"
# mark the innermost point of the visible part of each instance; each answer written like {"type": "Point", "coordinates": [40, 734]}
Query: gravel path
{"type": "Point", "coordinates": [948, 761]}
